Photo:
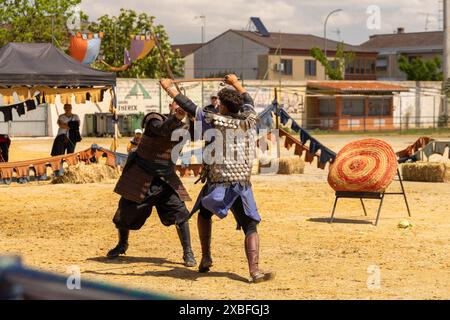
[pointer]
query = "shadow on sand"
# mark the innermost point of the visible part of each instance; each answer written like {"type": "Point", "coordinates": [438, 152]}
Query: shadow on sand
{"type": "Point", "coordinates": [174, 271]}
{"type": "Point", "coordinates": [339, 221]}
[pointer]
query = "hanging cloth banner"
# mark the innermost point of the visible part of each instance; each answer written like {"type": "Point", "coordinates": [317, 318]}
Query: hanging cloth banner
{"type": "Point", "coordinates": [20, 107]}
{"type": "Point", "coordinates": [85, 47]}
{"type": "Point", "coordinates": [325, 155]}
{"type": "Point", "coordinates": [140, 47]}
{"type": "Point", "coordinates": [315, 149]}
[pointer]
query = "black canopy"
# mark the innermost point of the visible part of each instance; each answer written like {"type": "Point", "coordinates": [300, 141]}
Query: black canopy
{"type": "Point", "coordinates": [41, 64]}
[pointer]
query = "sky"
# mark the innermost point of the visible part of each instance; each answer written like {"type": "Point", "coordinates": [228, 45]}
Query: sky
{"type": "Point", "coordinates": [358, 20]}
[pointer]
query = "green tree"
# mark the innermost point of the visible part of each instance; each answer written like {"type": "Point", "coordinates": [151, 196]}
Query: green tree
{"type": "Point", "coordinates": [421, 70]}
{"type": "Point", "coordinates": [117, 38]}
{"type": "Point", "coordinates": [335, 68]}
{"type": "Point", "coordinates": [36, 21]}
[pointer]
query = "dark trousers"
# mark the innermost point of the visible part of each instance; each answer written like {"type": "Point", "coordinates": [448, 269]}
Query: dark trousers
{"type": "Point", "coordinates": [171, 210]}
{"type": "Point", "coordinates": [4, 152]}
{"type": "Point", "coordinates": [61, 145]}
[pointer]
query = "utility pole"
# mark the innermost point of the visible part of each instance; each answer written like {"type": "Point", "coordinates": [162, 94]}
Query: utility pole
{"type": "Point", "coordinates": [446, 53]}
{"type": "Point", "coordinates": [203, 18]}
{"type": "Point", "coordinates": [278, 98]}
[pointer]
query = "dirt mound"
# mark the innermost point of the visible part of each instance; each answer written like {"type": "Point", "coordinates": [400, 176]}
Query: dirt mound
{"type": "Point", "coordinates": [82, 173]}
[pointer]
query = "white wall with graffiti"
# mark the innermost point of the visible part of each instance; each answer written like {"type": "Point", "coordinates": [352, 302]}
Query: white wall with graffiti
{"type": "Point", "coordinates": [140, 96]}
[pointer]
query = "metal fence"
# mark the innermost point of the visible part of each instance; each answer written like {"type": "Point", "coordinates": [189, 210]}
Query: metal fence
{"type": "Point", "coordinates": [369, 124]}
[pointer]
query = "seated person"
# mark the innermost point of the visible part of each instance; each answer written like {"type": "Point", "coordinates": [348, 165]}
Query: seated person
{"type": "Point", "coordinates": [134, 142]}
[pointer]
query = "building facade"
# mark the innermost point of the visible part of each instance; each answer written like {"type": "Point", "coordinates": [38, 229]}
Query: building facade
{"type": "Point", "coordinates": [351, 106]}
{"type": "Point", "coordinates": [424, 45]}
{"type": "Point", "coordinates": [187, 54]}
{"type": "Point", "coordinates": [278, 56]}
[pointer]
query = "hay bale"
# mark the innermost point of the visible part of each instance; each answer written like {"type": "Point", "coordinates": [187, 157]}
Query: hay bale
{"type": "Point", "coordinates": [285, 165]}
{"type": "Point", "coordinates": [424, 171]}
{"type": "Point", "coordinates": [83, 173]}
{"type": "Point", "coordinates": [291, 165]}
{"type": "Point", "coordinates": [447, 172]}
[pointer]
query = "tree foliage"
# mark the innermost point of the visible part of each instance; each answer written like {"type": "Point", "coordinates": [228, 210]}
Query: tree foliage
{"type": "Point", "coordinates": [421, 70]}
{"type": "Point", "coordinates": [117, 38]}
{"type": "Point", "coordinates": [335, 70]}
{"type": "Point", "coordinates": [39, 20]}
{"type": "Point", "coordinates": [36, 21]}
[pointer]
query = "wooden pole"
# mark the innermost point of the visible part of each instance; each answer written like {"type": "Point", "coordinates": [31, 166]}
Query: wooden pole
{"type": "Point", "coordinates": [197, 80]}
{"type": "Point", "coordinates": [115, 144]}
{"type": "Point", "coordinates": [277, 123]}
{"type": "Point", "coordinates": [166, 64]}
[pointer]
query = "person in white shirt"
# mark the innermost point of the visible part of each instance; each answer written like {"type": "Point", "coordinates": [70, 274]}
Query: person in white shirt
{"type": "Point", "coordinates": [68, 132]}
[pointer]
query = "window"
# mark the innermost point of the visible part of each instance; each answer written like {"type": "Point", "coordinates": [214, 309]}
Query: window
{"type": "Point", "coordinates": [311, 68]}
{"type": "Point", "coordinates": [286, 66]}
{"type": "Point", "coordinates": [357, 67]}
{"type": "Point", "coordinates": [368, 64]}
{"type": "Point", "coordinates": [379, 122]}
{"type": "Point", "coordinates": [350, 68]}
{"type": "Point", "coordinates": [379, 106]}
{"type": "Point", "coordinates": [326, 123]}
{"type": "Point", "coordinates": [353, 107]}
{"type": "Point", "coordinates": [353, 123]}
{"type": "Point", "coordinates": [382, 64]}
{"type": "Point", "coordinates": [327, 107]}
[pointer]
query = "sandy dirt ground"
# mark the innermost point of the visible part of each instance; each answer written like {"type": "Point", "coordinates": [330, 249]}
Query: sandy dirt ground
{"type": "Point", "coordinates": [56, 226]}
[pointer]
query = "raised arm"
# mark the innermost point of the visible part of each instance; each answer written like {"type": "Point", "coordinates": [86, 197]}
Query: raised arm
{"type": "Point", "coordinates": [184, 102]}
{"type": "Point", "coordinates": [233, 81]}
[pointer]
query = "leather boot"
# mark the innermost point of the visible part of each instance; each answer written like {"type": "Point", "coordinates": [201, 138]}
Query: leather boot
{"type": "Point", "coordinates": [252, 252]}
{"type": "Point", "coordinates": [204, 232]}
{"type": "Point", "coordinates": [185, 238]}
{"type": "Point", "coordinates": [122, 246]}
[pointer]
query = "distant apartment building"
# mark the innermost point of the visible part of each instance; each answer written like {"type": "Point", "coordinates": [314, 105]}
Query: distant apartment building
{"type": "Point", "coordinates": [187, 54]}
{"type": "Point", "coordinates": [390, 47]}
{"type": "Point", "coordinates": [275, 56]}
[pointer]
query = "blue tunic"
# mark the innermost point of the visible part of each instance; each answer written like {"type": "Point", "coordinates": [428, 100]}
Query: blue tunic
{"type": "Point", "coordinates": [219, 198]}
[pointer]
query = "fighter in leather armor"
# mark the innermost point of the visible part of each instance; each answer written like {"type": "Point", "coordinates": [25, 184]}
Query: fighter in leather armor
{"type": "Point", "coordinates": [227, 172]}
{"type": "Point", "coordinates": [149, 179]}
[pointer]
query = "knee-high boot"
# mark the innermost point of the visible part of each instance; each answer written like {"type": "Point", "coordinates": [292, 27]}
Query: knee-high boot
{"type": "Point", "coordinates": [204, 232]}
{"type": "Point", "coordinates": [252, 252]}
{"type": "Point", "coordinates": [122, 246]}
{"type": "Point", "coordinates": [185, 238]}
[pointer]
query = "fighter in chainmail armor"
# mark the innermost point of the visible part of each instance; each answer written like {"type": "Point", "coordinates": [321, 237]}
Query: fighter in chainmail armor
{"type": "Point", "coordinates": [228, 159]}
{"type": "Point", "coordinates": [149, 180]}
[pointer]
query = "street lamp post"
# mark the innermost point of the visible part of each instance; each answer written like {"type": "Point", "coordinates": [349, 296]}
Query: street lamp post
{"type": "Point", "coordinates": [203, 18]}
{"type": "Point", "coordinates": [325, 34]}
{"type": "Point", "coordinates": [446, 54]}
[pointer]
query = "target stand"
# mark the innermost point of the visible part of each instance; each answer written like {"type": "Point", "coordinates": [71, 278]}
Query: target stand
{"type": "Point", "coordinates": [370, 196]}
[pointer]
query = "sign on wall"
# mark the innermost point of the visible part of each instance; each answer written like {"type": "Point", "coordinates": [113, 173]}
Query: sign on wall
{"type": "Point", "coordinates": [138, 96]}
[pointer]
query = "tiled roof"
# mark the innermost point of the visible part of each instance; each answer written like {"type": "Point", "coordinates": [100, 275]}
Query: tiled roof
{"type": "Point", "coordinates": [355, 86]}
{"type": "Point", "coordinates": [295, 41]}
{"type": "Point", "coordinates": [405, 40]}
{"type": "Point", "coordinates": [186, 49]}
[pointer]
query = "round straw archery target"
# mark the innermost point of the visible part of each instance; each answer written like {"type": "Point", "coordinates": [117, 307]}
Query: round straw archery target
{"type": "Point", "coordinates": [363, 166]}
